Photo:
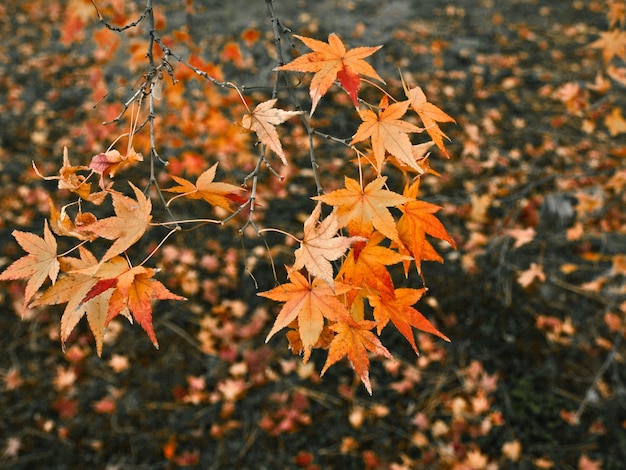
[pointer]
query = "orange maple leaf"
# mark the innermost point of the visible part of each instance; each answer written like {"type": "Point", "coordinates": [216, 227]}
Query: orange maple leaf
{"type": "Point", "coordinates": [616, 14]}
{"type": "Point", "coordinates": [128, 225]}
{"type": "Point", "coordinates": [361, 210]}
{"type": "Point", "coordinates": [332, 61]}
{"type": "Point", "coordinates": [615, 122]}
{"type": "Point", "coordinates": [309, 303]}
{"type": "Point", "coordinates": [388, 133]}
{"type": "Point", "coordinates": [320, 246]}
{"type": "Point", "coordinates": [40, 263]}
{"type": "Point", "coordinates": [354, 340]}
{"type": "Point", "coordinates": [215, 193]}
{"type": "Point", "coordinates": [400, 311]}
{"type": "Point", "coordinates": [134, 289]}
{"type": "Point", "coordinates": [263, 120]}
{"type": "Point", "coordinates": [74, 286]}
{"type": "Point", "coordinates": [612, 43]}
{"type": "Point", "coordinates": [416, 221]}
{"type": "Point", "coordinates": [429, 114]}
{"type": "Point", "coordinates": [364, 267]}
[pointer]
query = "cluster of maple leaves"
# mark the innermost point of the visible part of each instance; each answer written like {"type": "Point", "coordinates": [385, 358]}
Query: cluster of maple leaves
{"type": "Point", "coordinates": [342, 264]}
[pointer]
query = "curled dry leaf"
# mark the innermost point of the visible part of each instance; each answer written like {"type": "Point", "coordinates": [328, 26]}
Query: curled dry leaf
{"type": "Point", "coordinates": [110, 162]}
{"type": "Point", "coordinates": [62, 224]}
{"type": "Point", "coordinates": [70, 179]}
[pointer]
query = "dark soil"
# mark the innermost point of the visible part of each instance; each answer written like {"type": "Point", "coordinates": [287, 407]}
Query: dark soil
{"type": "Point", "coordinates": [484, 67]}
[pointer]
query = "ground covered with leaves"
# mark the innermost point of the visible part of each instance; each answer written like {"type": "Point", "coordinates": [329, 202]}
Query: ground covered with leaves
{"type": "Point", "coordinates": [533, 298]}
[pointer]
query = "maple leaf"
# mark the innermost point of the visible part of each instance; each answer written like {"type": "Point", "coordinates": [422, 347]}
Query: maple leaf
{"type": "Point", "coordinates": [215, 193]}
{"type": "Point", "coordinates": [263, 120]}
{"type": "Point", "coordinates": [134, 289]}
{"type": "Point", "coordinates": [420, 157]}
{"type": "Point", "coordinates": [363, 209]}
{"type": "Point", "coordinates": [73, 287]}
{"type": "Point", "coordinates": [416, 221]}
{"type": "Point", "coordinates": [354, 340]}
{"type": "Point", "coordinates": [40, 263]}
{"type": "Point", "coordinates": [616, 14]}
{"type": "Point", "coordinates": [429, 114]}
{"type": "Point", "coordinates": [534, 272]}
{"type": "Point", "coordinates": [612, 43]}
{"type": "Point", "coordinates": [365, 267]}
{"type": "Point", "coordinates": [332, 61]}
{"type": "Point", "coordinates": [400, 311]}
{"type": "Point", "coordinates": [128, 225]}
{"type": "Point", "coordinates": [388, 133]}
{"type": "Point", "coordinates": [309, 303]}
{"type": "Point", "coordinates": [615, 122]}
{"type": "Point", "coordinates": [320, 246]}
{"type": "Point", "coordinates": [522, 236]}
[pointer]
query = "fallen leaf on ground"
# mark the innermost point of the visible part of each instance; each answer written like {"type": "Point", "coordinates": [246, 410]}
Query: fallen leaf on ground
{"type": "Point", "coordinates": [534, 272]}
